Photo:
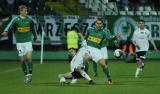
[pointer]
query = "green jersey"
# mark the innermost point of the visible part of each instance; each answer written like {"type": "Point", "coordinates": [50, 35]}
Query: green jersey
{"type": "Point", "coordinates": [108, 38]}
{"type": "Point", "coordinates": [105, 42]}
{"type": "Point", "coordinates": [95, 37]}
{"type": "Point", "coordinates": [23, 28]}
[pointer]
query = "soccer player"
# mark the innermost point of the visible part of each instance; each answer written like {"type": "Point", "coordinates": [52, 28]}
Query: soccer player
{"type": "Point", "coordinates": [141, 38]}
{"type": "Point", "coordinates": [94, 38]}
{"type": "Point", "coordinates": [72, 42]}
{"type": "Point", "coordinates": [23, 28]}
{"type": "Point", "coordinates": [104, 45]}
{"type": "Point", "coordinates": [77, 69]}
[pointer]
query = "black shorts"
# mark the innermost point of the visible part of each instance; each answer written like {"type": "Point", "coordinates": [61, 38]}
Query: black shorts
{"type": "Point", "coordinates": [76, 75]}
{"type": "Point", "coordinates": [141, 55]}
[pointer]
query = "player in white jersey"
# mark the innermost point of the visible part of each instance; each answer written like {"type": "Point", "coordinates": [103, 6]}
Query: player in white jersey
{"type": "Point", "coordinates": [77, 69]}
{"type": "Point", "coordinates": [141, 38]}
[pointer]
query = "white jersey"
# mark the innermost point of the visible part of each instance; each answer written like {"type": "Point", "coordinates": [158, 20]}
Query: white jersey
{"type": "Point", "coordinates": [141, 37]}
{"type": "Point", "coordinates": [77, 60]}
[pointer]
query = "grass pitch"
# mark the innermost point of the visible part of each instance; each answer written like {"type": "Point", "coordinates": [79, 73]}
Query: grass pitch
{"type": "Point", "coordinates": [45, 79]}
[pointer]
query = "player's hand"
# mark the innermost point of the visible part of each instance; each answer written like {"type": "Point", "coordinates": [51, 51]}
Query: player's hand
{"type": "Point", "coordinates": [3, 33]}
{"type": "Point", "coordinates": [84, 43]}
{"type": "Point", "coordinates": [156, 49]}
{"type": "Point", "coordinates": [80, 35]}
{"type": "Point", "coordinates": [118, 35]}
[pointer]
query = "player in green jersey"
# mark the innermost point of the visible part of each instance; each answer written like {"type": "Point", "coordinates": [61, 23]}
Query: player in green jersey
{"type": "Point", "coordinates": [103, 49]}
{"type": "Point", "coordinates": [23, 28]}
{"type": "Point", "coordinates": [94, 38]}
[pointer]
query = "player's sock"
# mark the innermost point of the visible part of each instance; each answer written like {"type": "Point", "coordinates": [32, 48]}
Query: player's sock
{"type": "Point", "coordinates": [26, 80]}
{"type": "Point", "coordinates": [62, 81]}
{"type": "Point", "coordinates": [137, 72]}
{"type": "Point", "coordinates": [30, 77]}
{"type": "Point", "coordinates": [85, 75]}
{"type": "Point", "coordinates": [142, 66]}
{"type": "Point", "coordinates": [95, 69]}
{"type": "Point", "coordinates": [106, 71]}
{"type": "Point", "coordinates": [24, 68]}
{"type": "Point", "coordinates": [30, 67]}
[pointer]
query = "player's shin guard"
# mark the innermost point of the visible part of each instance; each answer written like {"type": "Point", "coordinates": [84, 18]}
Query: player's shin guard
{"type": "Point", "coordinates": [106, 71]}
{"type": "Point", "coordinates": [95, 69]}
{"type": "Point", "coordinates": [85, 75]}
{"type": "Point", "coordinates": [24, 68]}
{"type": "Point", "coordinates": [137, 72]}
{"type": "Point", "coordinates": [30, 67]}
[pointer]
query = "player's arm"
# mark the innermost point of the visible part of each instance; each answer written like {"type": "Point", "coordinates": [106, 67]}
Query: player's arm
{"type": "Point", "coordinates": [3, 34]}
{"type": "Point", "coordinates": [112, 37]}
{"type": "Point", "coordinates": [134, 41]}
{"type": "Point", "coordinates": [135, 44]}
{"type": "Point", "coordinates": [83, 41]}
{"type": "Point", "coordinates": [33, 30]}
{"type": "Point", "coordinates": [154, 45]}
{"type": "Point", "coordinates": [83, 38]}
{"type": "Point", "coordinates": [6, 30]}
{"type": "Point", "coordinates": [152, 41]}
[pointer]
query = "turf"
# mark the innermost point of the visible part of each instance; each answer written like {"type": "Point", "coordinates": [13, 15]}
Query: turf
{"type": "Point", "coordinates": [45, 79]}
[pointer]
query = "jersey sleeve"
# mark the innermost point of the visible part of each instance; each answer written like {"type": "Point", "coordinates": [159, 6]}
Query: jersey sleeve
{"type": "Point", "coordinates": [11, 23]}
{"type": "Point", "coordinates": [32, 27]}
{"type": "Point", "coordinates": [109, 36]}
{"type": "Point", "coordinates": [134, 35]}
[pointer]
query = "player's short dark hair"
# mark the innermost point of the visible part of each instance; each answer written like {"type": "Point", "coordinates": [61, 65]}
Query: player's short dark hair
{"type": "Point", "coordinates": [99, 19]}
{"type": "Point", "coordinates": [141, 20]}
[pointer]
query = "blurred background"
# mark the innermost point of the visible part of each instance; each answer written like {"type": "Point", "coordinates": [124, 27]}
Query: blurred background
{"type": "Point", "coordinates": [58, 16]}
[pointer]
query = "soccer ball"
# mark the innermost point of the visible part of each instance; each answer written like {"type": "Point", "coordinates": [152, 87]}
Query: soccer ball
{"type": "Point", "coordinates": [118, 53]}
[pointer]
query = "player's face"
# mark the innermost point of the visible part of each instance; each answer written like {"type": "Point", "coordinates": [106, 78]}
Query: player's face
{"type": "Point", "coordinates": [141, 25]}
{"type": "Point", "coordinates": [23, 12]}
{"type": "Point", "coordinates": [72, 52]}
{"type": "Point", "coordinates": [99, 24]}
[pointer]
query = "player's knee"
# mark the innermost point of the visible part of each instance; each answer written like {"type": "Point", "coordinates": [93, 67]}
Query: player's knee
{"type": "Point", "coordinates": [102, 63]}
{"type": "Point", "coordinates": [86, 57]}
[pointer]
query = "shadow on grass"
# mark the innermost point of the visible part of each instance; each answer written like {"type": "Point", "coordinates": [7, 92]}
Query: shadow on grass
{"type": "Point", "coordinates": [57, 84]}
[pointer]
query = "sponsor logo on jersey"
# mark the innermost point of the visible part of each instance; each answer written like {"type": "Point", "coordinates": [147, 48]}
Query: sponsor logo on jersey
{"type": "Point", "coordinates": [94, 39]}
{"type": "Point", "coordinates": [23, 29]}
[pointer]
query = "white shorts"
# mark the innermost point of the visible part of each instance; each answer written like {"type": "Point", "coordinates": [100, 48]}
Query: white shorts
{"type": "Point", "coordinates": [104, 52]}
{"type": "Point", "coordinates": [23, 48]}
{"type": "Point", "coordinates": [77, 60]}
{"type": "Point", "coordinates": [95, 53]}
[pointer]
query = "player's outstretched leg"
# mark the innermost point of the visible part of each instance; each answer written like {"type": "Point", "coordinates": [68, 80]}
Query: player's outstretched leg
{"type": "Point", "coordinates": [106, 71]}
